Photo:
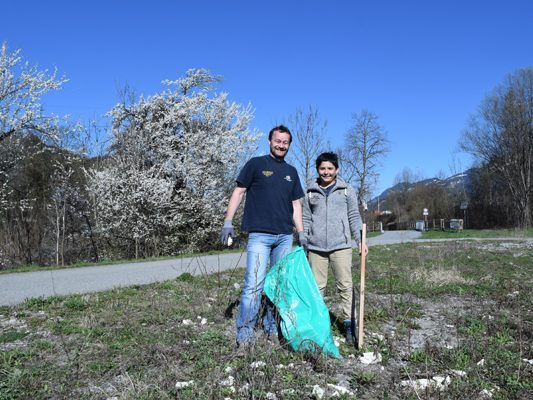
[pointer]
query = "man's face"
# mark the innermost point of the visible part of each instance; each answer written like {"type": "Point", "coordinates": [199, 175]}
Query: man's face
{"type": "Point", "coordinates": [279, 144]}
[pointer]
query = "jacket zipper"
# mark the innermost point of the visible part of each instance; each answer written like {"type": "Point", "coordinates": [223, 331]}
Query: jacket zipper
{"type": "Point", "coordinates": [326, 221]}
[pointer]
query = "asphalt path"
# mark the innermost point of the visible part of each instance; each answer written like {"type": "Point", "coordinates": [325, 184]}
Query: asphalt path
{"type": "Point", "coordinates": [17, 287]}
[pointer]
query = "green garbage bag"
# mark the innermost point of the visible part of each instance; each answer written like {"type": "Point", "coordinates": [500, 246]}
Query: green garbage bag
{"type": "Point", "coordinates": [305, 322]}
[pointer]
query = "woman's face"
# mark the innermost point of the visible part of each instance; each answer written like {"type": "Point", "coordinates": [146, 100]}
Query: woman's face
{"type": "Point", "coordinates": [327, 172]}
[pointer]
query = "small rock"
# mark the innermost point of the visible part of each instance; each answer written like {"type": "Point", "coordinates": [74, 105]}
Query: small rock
{"type": "Point", "coordinates": [280, 366]}
{"type": "Point", "coordinates": [481, 362]}
{"type": "Point", "coordinates": [418, 384]}
{"type": "Point", "coordinates": [228, 370]}
{"type": "Point", "coordinates": [236, 286]}
{"type": "Point", "coordinates": [186, 322]}
{"type": "Point", "coordinates": [257, 364]}
{"type": "Point", "coordinates": [441, 382]}
{"type": "Point", "coordinates": [244, 388]}
{"type": "Point", "coordinates": [530, 362]}
{"type": "Point", "coordinates": [318, 392]}
{"type": "Point", "coordinates": [203, 321]}
{"type": "Point", "coordinates": [370, 358]}
{"type": "Point", "coordinates": [377, 336]}
{"type": "Point", "coordinates": [229, 381]}
{"type": "Point", "coordinates": [486, 393]}
{"type": "Point", "coordinates": [339, 390]}
{"type": "Point", "coordinates": [458, 373]}
{"type": "Point", "coordinates": [184, 384]}
{"type": "Point", "coordinates": [271, 396]}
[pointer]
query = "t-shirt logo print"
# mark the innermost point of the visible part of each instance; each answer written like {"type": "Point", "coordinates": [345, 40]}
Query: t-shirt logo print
{"type": "Point", "coordinates": [267, 173]}
{"type": "Point", "coordinates": [288, 178]}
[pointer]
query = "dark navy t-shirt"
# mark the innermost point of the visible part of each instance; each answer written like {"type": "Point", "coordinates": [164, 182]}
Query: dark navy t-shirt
{"type": "Point", "coordinates": [271, 186]}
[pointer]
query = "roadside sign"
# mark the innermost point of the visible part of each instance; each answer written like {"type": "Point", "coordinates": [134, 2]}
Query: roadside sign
{"type": "Point", "coordinates": [426, 211]}
{"type": "Point", "coordinates": [464, 205]}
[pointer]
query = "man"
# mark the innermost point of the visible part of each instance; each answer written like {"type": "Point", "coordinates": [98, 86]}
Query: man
{"type": "Point", "coordinates": [271, 210]}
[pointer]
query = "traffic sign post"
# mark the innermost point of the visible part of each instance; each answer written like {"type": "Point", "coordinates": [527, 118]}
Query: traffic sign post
{"type": "Point", "coordinates": [425, 213]}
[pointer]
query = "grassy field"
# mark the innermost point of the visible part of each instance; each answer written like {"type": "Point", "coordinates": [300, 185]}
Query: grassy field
{"type": "Point", "coordinates": [455, 312]}
{"type": "Point", "coordinates": [478, 233]}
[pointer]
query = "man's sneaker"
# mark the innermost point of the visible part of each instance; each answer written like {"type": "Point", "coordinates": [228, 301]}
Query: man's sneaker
{"type": "Point", "coordinates": [349, 332]}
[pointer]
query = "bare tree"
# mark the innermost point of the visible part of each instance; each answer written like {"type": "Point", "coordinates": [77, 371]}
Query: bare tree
{"type": "Point", "coordinates": [500, 136]}
{"type": "Point", "coordinates": [365, 145]}
{"type": "Point", "coordinates": [309, 130]}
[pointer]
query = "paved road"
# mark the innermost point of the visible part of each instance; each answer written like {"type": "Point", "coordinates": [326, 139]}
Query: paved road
{"type": "Point", "coordinates": [393, 237]}
{"type": "Point", "coordinates": [16, 287]}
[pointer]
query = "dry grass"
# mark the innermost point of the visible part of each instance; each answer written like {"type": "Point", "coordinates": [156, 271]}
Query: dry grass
{"type": "Point", "coordinates": [430, 310]}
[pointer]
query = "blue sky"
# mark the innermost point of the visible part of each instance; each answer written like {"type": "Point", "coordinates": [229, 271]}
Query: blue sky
{"type": "Point", "coordinates": [422, 66]}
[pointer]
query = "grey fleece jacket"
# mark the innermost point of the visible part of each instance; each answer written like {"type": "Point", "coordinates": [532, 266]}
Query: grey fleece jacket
{"type": "Point", "coordinates": [331, 222]}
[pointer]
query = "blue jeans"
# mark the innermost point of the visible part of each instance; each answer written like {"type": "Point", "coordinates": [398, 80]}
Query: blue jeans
{"type": "Point", "coordinates": [261, 247]}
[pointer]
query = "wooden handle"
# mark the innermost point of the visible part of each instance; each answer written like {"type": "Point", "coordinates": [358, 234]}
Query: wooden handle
{"type": "Point", "coordinates": [362, 289]}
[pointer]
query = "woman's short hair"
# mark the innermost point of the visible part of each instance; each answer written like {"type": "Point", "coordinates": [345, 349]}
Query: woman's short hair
{"type": "Point", "coordinates": [327, 156]}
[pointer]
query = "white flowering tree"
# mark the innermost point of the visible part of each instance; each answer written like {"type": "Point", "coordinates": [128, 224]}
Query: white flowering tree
{"type": "Point", "coordinates": [26, 133]}
{"type": "Point", "coordinates": [173, 160]}
{"type": "Point", "coordinates": [21, 87]}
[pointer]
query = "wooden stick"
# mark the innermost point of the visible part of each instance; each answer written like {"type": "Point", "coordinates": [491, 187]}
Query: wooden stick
{"type": "Point", "coordinates": [362, 289]}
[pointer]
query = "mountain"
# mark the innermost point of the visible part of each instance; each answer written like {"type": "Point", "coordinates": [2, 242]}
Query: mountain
{"type": "Point", "coordinates": [461, 181]}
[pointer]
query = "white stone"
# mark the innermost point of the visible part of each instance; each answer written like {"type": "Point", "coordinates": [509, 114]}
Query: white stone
{"type": "Point", "coordinates": [280, 366]}
{"type": "Point", "coordinates": [203, 321]}
{"type": "Point", "coordinates": [236, 286]}
{"type": "Point", "coordinates": [228, 370]}
{"type": "Point", "coordinates": [486, 393]}
{"type": "Point", "coordinates": [257, 364]}
{"type": "Point", "coordinates": [339, 390]}
{"type": "Point", "coordinates": [229, 381]}
{"type": "Point", "coordinates": [377, 336]}
{"type": "Point", "coordinates": [481, 362]}
{"type": "Point", "coordinates": [442, 382]}
{"type": "Point", "coordinates": [184, 384]}
{"type": "Point", "coordinates": [530, 362]}
{"type": "Point", "coordinates": [458, 372]}
{"type": "Point", "coordinates": [318, 392]}
{"type": "Point", "coordinates": [244, 388]}
{"type": "Point", "coordinates": [370, 358]}
{"type": "Point", "coordinates": [418, 384]}
{"type": "Point", "coordinates": [271, 396]}
{"type": "Point", "coordinates": [186, 322]}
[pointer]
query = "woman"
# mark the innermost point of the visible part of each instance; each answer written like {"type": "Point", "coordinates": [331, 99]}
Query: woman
{"type": "Point", "coordinates": [332, 224]}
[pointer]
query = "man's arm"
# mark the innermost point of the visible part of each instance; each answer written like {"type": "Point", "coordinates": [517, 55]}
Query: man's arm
{"type": "Point", "coordinates": [297, 215]}
{"type": "Point", "coordinates": [227, 228]}
{"type": "Point", "coordinates": [234, 202]}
